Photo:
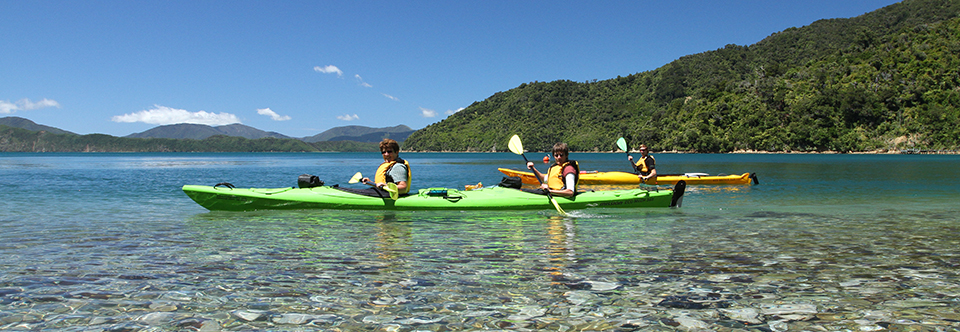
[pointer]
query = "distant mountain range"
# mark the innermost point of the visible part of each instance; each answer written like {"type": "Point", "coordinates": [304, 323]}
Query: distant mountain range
{"type": "Point", "coordinates": [18, 122]}
{"type": "Point", "coordinates": [361, 134]}
{"type": "Point", "coordinates": [199, 132]}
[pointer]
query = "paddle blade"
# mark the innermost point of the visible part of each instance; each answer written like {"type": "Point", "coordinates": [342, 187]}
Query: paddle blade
{"type": "Point", "coordinates": [515, 145]}
{"type": "Point", "coordinates": [557, 205]}
{"type": "Point", "coordinates": [356, 178]}
{"type": "Point", "coordinates": [392, 189]}
{"type": "Point", "coordinates": [622, 144]}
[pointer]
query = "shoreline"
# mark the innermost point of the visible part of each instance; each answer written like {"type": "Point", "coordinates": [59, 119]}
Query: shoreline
{"type": "Point", "coordinates": [881, 151]}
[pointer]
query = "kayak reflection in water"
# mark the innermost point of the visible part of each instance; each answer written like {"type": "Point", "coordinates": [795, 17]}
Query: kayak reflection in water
{"type": "Point", "coordinates": [646, 167]}
{"type": "Point", "coordinates": [562, 177]}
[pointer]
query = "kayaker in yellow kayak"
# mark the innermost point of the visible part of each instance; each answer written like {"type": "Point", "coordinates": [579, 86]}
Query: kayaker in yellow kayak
{"type": "Point", "coordinates": [646, 166]}
{"type": "Point", "coordinates": [393, 169]}
{"type": "Point", "coordinates": [562, 177]}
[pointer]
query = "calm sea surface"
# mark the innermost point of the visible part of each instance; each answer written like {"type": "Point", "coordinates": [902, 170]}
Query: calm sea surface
{"type": "Point", "coordinates": [825, 243]}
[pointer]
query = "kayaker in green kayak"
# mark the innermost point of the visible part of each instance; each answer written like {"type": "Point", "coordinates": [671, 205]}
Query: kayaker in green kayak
{"type": "Point", "coordinates": [393, 169]}
{"type": "Point", "coordinates": [562, 177]}
{"type": "Point", "coordinates": [646, 166]}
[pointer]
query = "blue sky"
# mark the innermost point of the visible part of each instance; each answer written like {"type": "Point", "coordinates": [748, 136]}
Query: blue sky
{"type": "Point", "coordinates": [302, 67]}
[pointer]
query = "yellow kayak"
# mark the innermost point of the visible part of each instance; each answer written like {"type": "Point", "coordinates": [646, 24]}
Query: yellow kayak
{"type": "Point", "coordinates": [597, 177]}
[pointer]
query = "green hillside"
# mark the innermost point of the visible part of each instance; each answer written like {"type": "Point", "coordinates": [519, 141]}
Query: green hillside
{"type": "Point", "coordinates": [884, 80]}
{"type": "Point", "coordinates": [361, 134]}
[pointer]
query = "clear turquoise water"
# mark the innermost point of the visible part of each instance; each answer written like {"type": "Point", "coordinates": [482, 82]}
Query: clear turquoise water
{"type": "Point", "coordinates": [835, 242]}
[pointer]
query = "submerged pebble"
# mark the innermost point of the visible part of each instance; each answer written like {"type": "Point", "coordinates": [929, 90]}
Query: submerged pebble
{"type": "Point", "coordinates": [526, 275]}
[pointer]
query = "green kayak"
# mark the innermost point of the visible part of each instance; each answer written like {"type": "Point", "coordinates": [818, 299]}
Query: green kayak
{"type": "Point", "coordinates": [493, 198]}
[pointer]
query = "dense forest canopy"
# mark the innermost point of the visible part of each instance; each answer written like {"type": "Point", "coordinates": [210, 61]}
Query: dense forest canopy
{"type": "Point", "coordinates": [884, 80]}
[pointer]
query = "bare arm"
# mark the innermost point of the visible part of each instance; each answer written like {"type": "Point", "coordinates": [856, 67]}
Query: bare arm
{"type": "Point", "coordinates": [543, 178]}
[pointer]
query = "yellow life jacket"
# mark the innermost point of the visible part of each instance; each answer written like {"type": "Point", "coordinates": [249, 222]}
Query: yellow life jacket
{"type": "Point", "coordinates": [555, 175]}
{"type": "Point", "coordinates": [384, 170]}
{"type": "Point", "coordinates": [642, 165]}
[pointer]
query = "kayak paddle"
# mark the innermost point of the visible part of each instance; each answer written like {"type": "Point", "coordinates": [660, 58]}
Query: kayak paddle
{"type": "Point", "coordinates": [356, 178]}
{"type": "Point", "coordinates": [391, 187]}
{"type": "Point", "coordinates": [622, 144]}
{"type": "Point", "coordinates": [516, 146]}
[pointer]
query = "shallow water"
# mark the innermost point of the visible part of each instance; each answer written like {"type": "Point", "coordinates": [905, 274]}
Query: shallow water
{"type": "Point", "coordinates": [825, 242]}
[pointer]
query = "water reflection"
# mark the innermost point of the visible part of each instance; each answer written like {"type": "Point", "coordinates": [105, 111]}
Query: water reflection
{"type": "Point", "coordinates": [394, 239]}
{"type": "Point", "coordinates": [561, 250]}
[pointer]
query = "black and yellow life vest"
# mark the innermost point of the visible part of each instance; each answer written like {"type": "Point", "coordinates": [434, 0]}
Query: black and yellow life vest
{"type": "Point", "coordinates": [383, 173]}
{"type": "Point", "coordinates": [555, 175]}
{"type": "Point", "coordinates": [642, 165]}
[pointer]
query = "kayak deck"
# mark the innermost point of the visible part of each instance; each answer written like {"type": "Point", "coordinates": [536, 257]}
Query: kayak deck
{"type": "Point", "coordinates": [597, 177]}
{"type": "Point", "coordinates": [492, 198]}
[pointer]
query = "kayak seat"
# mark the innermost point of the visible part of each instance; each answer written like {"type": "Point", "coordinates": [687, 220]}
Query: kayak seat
{"type": "Point", "coordinates": [511, 182]}
{"type": "Point", "coordinates": [539, 191]}
{"type": "Point", "coordinates": [372, 192]}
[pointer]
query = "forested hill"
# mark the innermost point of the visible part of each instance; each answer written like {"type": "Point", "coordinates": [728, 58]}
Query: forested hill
{"type": "Point", "coordinates": [883, 80]}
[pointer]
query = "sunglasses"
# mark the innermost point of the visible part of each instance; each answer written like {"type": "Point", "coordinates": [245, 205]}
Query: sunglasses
{"type": "Point", "coordinates": [386, 151]}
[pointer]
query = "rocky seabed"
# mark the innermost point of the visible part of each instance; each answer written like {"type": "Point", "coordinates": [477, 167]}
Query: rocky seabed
{"type": "Point", "coordinates": [711, 303]}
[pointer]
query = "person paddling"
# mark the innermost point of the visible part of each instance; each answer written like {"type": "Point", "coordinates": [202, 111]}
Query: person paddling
{"type": "Point", "coordinates": [646, 166]}
{"type": "Point", "coordinates": [393, 169]}
{"type": "Point", "coordinates": [562, 177]}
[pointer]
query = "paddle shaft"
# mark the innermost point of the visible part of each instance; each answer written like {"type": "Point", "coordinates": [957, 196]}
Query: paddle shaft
{"type": "Point", "coordinates": [622, 144]}
{"type": "Point", "coordinates": [632, 165]}
{"type": "Point", "coordinates": [384, 188]}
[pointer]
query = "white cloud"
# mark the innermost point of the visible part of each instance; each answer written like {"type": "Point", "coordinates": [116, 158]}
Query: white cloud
{"type": "Point", "coordinates": [427, 113]}
{"type": "Point", "coordinates": [449, 112]}
{"type": "Point", "coordinates": [390, 97]}
{"type": "Point", "coordinates": [273, 115]}
{"type": "Point", "coordinates": [361, 82]}
{"type": "Point", "coordinates": [331, 69]}
{"type": "Point", "coordinates": [27, 105]}
{"type": "Point", "coordinates": [162, 115]}
{"type": "Point", "coordinates": [348, 117]}
{"type": "Point", "coordinates": [7, 107]}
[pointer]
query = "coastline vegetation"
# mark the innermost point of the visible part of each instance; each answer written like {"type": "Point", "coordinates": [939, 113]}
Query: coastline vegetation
{"type": "Point", "coordinates": [886, 80]}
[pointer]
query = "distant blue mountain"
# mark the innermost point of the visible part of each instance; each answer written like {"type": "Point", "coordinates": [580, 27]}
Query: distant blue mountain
{"type": "Point", "coordinates": [199, 131]}
{"type": "Point", "coordinates": [347, 133]}
{"type": "Point", "coordinates": [361, 134]}
{"type": "Point", "coordinates": [18, 122]}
